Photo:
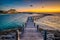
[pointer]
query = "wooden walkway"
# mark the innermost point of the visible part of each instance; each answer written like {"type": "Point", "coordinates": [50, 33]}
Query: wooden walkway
{"type": "Point", "coordinates": [30, 32]}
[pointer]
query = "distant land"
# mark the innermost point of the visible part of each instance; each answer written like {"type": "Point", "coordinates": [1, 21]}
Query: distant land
{"type": "Point", "coordinates": [13, 11]}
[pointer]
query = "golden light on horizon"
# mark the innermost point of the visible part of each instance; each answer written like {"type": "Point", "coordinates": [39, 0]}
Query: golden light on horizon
{"type": "Point", "coordinates": [40, 10]}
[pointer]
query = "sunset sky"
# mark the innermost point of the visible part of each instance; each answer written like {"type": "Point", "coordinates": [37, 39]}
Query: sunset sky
{"type": "Point", "coordinates": [25, 5]}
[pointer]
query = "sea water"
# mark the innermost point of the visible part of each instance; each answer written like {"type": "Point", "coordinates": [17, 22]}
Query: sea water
{"type": "Point", "coordinates": [10, 21]}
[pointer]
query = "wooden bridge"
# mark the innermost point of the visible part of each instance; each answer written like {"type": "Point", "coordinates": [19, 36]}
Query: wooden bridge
{"type": "Point", "coordinates": [30, 31]}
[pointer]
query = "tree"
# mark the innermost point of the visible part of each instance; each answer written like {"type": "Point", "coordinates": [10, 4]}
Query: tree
{"type": "Point", "coordinates": [12, 11]}
{"type": "Point", "coordinates": [1, 11]}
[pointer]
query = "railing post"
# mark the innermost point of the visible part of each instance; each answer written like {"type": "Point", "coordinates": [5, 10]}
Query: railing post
{"type": "Point", "coordinates": [22, 30]}
{"type": "Point", "coordinates": [17, 35]}
{"type": "Point", "coordinates": [45, 34]}
{"type": "Point", "coordinates": [34, 24]}
{"type": "Point", "coordinates": [37, 27]}
{"type": "Point", "coordinates": [25, 24]}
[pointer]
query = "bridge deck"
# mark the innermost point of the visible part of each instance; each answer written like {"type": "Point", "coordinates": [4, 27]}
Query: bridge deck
{"type": "Point", "coordinates": [30, 32]}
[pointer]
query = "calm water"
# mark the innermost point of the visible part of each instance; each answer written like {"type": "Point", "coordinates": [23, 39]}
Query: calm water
{"type": "Point", "coordinates": [9, 21]}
